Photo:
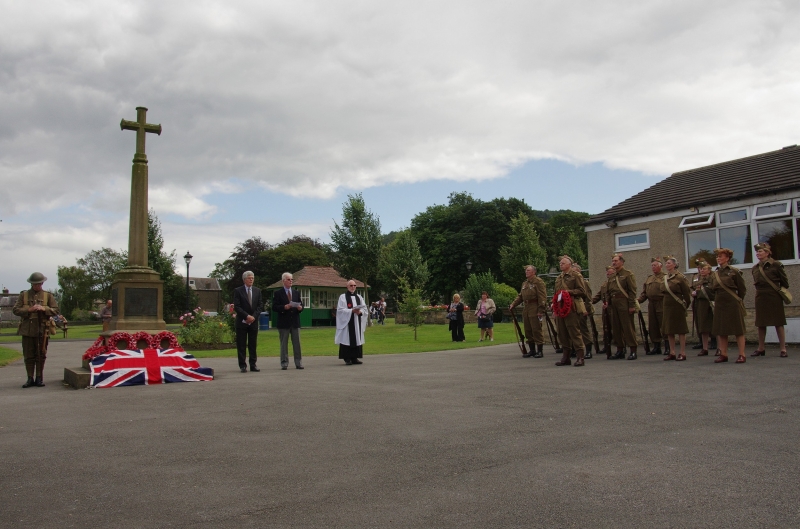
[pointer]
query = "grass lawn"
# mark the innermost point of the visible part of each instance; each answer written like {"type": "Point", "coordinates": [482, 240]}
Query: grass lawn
{"type": "Point", "coordinates": [380, 339]}
{"type": "Point", "coordinates": [8, 355]}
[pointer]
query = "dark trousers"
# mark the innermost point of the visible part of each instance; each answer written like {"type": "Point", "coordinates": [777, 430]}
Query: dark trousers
{"type": "Point", "coordinates": [247, 338]}
{"type": "Point", "coordinates": [457, 332]}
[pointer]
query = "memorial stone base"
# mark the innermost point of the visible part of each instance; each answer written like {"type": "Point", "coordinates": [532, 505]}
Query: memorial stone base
{"type": "Point", "coordinates": [137, 296]}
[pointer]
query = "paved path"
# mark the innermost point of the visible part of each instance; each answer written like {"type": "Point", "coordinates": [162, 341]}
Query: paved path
{"type": "Point", "coordinates": [474, 438]}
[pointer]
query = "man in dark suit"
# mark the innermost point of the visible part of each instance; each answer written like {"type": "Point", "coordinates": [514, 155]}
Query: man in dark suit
{"type": "Point", "coordinates": [247, 306]}
{"type": "Point", "coordinates": [286, 303]}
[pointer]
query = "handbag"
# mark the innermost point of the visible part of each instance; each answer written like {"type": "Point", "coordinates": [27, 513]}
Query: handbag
{"type": "Point", "coordinates": [783, 292]}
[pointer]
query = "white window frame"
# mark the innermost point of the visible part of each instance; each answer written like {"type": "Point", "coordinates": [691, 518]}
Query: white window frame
{"type": "Point", "coordinates": [787, 212]}
{"type": "Point", "coordinates": [631, 247]}
{"type": "Point", "coordinates": [708, 216]}
{"type": "Point", "coordinates": [747, 219]}
{"type": "Point", "coordinates": [305, 297]}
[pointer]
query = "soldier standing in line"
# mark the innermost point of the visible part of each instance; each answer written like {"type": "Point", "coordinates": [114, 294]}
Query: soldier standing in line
{"type": "Point", "coordinates": [586, 332]}
{"type": "Point", "coordinates": [703, 306]}
{"type": "Point", "coordinates": [602, 295]}
{"type": "Point", "coordinates": [568, 313]}
{"type": "Point", "coordinates": [622, 291]}
{"type": "Point", "coordinates": [651, 291]}
{"type": "Point", "coordinates": [35, 307]}
{"type": "Point", "coordinates": [534, 294]}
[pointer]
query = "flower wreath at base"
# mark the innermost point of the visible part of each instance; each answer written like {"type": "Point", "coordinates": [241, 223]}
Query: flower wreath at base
{"type": "Point", "coordinates": [561, 309]}
{"type": "Point", "coordinates": [129, 343]}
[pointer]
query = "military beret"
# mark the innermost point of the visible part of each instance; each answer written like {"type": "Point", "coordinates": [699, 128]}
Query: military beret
{"type": "Point", "coordinates": [763, 246]}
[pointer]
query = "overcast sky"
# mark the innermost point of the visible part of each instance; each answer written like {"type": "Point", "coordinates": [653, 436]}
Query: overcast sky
{"type": "Point", "coordinates": [273, 112]}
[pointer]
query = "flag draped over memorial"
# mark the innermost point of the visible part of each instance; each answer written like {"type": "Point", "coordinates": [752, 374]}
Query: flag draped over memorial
{"type": "Point", "coordinates": [145, 367]}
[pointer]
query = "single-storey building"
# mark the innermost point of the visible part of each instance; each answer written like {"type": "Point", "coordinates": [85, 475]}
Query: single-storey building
{"type": "Point", "coordinates": [732, 204]}
{"type": "Point", "coordinates": [320, 288]}
{"type": "Point", "coordinates": [209, 293]}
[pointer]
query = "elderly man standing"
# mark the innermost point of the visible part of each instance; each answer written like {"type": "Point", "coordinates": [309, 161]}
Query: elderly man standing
{"type": "Point", "coordinates": [534, 294]}
{"type": "Point", "coordinates": [651, 292]}
{"type": "Point", "coordinates": [622, 291]}
{"type": "Point", "coordinates": [247, 306]}
{"type": "Point", "coordinates": [286, 302]}
{"type": "Point", "coordinates": [35, 307]}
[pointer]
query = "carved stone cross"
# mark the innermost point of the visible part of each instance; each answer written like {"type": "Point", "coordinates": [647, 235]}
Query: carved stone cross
{"type": "Point", "coordinates": [137, 231]}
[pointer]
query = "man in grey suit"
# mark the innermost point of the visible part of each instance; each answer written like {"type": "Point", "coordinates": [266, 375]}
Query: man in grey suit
{"type": "Point", "coordinates": [247, 307]}
{"type": "Point", "coordinates": [287, 304]}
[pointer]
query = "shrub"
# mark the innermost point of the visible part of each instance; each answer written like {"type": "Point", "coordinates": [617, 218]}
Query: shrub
{"type": "Point", "coordinates": [197, 328]}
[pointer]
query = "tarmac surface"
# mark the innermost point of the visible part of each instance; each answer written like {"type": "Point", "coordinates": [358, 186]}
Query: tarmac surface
{"type": "Point", "coordinates": [473, 438]}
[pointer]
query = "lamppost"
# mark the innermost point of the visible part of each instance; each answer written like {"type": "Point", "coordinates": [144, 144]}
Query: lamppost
{"type": "Point", "coordinates": [468, 264]}
{"type": "Point", "coordinates": [188, 259]}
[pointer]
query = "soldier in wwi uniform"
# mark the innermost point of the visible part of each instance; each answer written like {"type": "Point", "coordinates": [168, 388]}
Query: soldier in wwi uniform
{"type": "Point", "coordinates": [534, 295]}
{"type": "Point", "coordinates": [35, 307]}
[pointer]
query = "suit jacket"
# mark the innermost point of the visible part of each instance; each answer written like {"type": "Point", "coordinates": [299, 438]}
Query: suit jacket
{"type": "Point", "coordinates": [242, 307]}
{"type": "Point", "coordinates": [287, 319]}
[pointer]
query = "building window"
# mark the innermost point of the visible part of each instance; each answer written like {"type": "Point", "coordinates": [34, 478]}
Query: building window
{"type": "Point", "coordinates": [698, 221]}
{"type": "Point", "coordinates": [634, 240]}
{"type": "Point", "coordinates": [700, 245]}
{"type": "Point", "coordinates": [737, 239]}
{"type": "Point", "coordinates": [305, 297]}
{"type": "Point", "coordinates": [320, 298]}
{"type": "Point", "coordinates": [728, 217]}
{"type": "Point", "coordinates": [777, 209]}
{"type": "Point", "coordinates": [778, 233]}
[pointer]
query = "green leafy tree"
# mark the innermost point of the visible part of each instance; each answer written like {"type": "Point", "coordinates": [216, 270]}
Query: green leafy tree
{"type": "Point", "coordinates": [476, 284]}
{"type": "Point", "coordinates": [75, 289]}
{"type": "Point", "coordinates": [357, 242]}
{"type": "Point", "coordinates": [523, 249]}
{"type": "Point", "coordinates": [400, 261]}
{"type": "Point", "coordinates": [245, 256]}
{"type": "Point", "coordinates": [411, 305]}
{"type": "Point", "coordinates": [504, 295]}
{"type": "Point", "coordinates": [572, 247]}
{"type": "Point", "coordinates": [100, 267]}
{"type": "Point", "coordinates": [290, 256]}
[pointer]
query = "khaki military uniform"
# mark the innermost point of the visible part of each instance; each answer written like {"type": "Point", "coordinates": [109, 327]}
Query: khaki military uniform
{"type": "Point", "coordinates": [569, 327]}
{"type": "Point", "coordinates": [534, 294]}
{"type": "Point", "coordinates": [674, 320]}
{"type": "Point", "coordinates": [703, 311]}
{"type": "Point", "coordinates": [728, 309]}
{"type": "Point", "coordinates": [651, 292]}
{"type": "Point", "coordinates": [769, 304]}
{"type": "Point", "coordinates": [586, 332]}
{"type": "Point", "coordinates": [602, 295]}
{"type": "Point", "coordinates": [33, 328]}
{"type": "Point", "coordinates": [622, 294]}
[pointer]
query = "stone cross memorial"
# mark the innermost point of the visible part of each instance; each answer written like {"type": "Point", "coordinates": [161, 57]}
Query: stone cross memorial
{"type": "Point", "coordinates": [137, 291]}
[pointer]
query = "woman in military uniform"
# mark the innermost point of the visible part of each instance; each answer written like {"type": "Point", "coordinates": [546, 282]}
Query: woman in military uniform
{"type": "Point", "coordinates": [568, 324]}
{"type": "Point", "coordinates": [729, 291]}
{"type": "Point", "coordinates": [676, 297]}
{"type": "Point", "coordinates": [703, 304]}
{"type": "Point", "coordinates": [769, 304]}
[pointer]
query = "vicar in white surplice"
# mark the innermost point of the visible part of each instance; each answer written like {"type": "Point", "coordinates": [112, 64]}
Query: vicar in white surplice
{"type": "Point", "coordinates": [351, 320]}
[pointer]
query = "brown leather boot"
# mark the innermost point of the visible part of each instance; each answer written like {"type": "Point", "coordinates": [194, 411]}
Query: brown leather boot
{"type": "Point", "coordinates": [581, 356]}
{"type": "Point", "coordinates": [565, 361]}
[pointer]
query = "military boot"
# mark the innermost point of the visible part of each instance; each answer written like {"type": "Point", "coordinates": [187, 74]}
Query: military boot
{"type": "Point", "coordinates": [579, 361]}
{"type": "Point", "coordinates": [528, 350]}
{"type": "Point", "coordinates": [565, 361]}
{"type": "Point", "coordinates": [666, 347]}
{"type": "Point", "coordinates": [539, 351]}
{"type": "Point", "coordinates": [28, 383]}
{"type": "Point", "coordinates": [39, 383]}
{"type": "Point", "coordinates": [619, 355]}
{"type": "Point", "coordinates": [588, 352]}
{"type": "Point", "coordinates": [656, 349]}
{"type": "Point", "coordinates": [633, 356]}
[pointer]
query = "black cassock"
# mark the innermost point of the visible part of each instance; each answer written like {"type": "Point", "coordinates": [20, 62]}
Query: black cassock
{"type": "Point", "coordinates": [349, 352]}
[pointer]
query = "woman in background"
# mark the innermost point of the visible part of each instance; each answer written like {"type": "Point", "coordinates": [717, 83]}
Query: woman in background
{"type": "Point", "coordinates": [485, 314]}
{"type": "Point", "coordinates": [457, 321]}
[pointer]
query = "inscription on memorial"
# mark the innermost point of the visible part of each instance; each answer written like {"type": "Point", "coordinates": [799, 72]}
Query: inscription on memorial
{"type": "Point", "coordinates": [114, 302]}
{"type": "Point", "coordinates": [141, 302]}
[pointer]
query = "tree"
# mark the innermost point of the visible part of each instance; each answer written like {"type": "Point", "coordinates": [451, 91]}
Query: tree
{"type": "Point", "coordinates": [400, 261]}
{"type": "Point", "coordinates": [466, 229]}
{"type": "Point", "coordinates": [411, 305]}
{"type": "Point", "coordinates": [503, 296]}
{"type": "Point", "coordinates": [572, 247]}
{"type": "Point", "coordinates": [290, 256]}
{"type": "Point", "coordinates": [475, 285]}
{"type": "Point", "coordinates": [357, 242]}
{"type": "Point", "coordinates": [245, 256]}
{"type": "Point", "coordinates": [100, 267]}
{"type": "Point", "coordinates": [523, 249]}
{"type": "Point", "coordinates": [75, 289]}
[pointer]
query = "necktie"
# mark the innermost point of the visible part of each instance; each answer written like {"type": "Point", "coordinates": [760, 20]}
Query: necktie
{"type": "Point", "coordinates": [250, 296]}
{"type": "Point", "coordinates": [289, 294]}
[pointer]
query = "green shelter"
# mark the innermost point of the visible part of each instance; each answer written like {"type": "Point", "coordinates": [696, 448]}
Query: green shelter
{"type": "Point", "coordinates": [320, 288]}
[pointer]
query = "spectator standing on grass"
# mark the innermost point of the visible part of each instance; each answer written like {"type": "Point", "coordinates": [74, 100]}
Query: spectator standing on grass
{"type": "Point", "coordinates": [105, 316]}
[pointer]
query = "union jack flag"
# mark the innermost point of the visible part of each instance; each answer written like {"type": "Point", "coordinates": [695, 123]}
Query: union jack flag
{"type": "Point", "coordinates": [147, 366]}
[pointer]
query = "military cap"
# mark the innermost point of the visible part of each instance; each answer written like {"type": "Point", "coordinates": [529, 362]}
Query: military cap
{"type": "Point", "coordinates": [567, 257]}
{"type": "Point", "coordinates": [763, 246]}
{"type": "Point", "coordinates": [609, 267]}
{"type": "Point", "coordinates": [655, 259]}
{"type": "Point", "coordinates": [701, 263]}
{"type": "Point", "coordinates": [36, 277]}
{"type": "Point", "coordinates": [726, 251]}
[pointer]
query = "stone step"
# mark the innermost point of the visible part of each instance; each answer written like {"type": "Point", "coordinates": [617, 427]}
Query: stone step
{"type": "Point", "coordinates": [77, 377]}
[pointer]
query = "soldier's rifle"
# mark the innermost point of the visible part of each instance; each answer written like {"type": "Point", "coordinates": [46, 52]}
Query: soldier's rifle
{"type": "Point", "coordinates": [551, 331]}
{"type": "Point", "coordinates": [519, 333]}
{"type": "Point", "coordinates": [607, 337]}
{"type": "Point", "coordinates": [594, 331]}
{"type": "Point", "coordinates": [645, 334]}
